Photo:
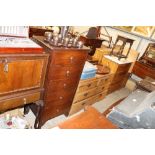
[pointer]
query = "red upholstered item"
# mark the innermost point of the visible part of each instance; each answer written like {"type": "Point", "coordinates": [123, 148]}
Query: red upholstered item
{"type": "Point", "coordinates": [89, 119]}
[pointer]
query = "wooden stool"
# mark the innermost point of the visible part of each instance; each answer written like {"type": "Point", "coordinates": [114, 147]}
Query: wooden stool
{"type": "Point", "coordinates": [119, 54]}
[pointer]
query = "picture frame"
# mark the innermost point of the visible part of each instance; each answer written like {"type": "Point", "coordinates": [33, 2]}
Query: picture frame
{"type": "Point", "coordinates": [145, 31]}
{"type": "Point", "coordinates": [125, 28]}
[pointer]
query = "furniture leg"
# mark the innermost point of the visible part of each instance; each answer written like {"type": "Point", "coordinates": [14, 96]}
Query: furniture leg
{"type": "Point", "coordinates": [39, 105]}
{"type": "Point", "coordinates": [26, 109]}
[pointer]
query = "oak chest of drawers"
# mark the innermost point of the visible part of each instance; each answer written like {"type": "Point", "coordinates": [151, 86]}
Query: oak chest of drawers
{"type": "Point", "coordinates": [90, 91]}
{"type": "Point", "coordinates": [119, 71]}
{"type": "Point", "coordinates": [63, 73]}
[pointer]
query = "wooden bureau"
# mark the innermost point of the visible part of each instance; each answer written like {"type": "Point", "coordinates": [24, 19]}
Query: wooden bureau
{"type": "Point", "coordinates": [63, 73]}
{"type": "Point", "coordinates": [21, 79]}
{"type": "Point", "coordinates": [120, 73]}
{"type": "Point", "coordinates": [90, 91]}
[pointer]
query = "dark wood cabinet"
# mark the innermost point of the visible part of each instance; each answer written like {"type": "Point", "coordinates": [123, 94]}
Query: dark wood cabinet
{"type": "Point", "coordinates": [21, 79]}
{"type": "Point", "coordinates": [145, 66]}
{"type": "Point", "coordinates": [63, 73]}
{"type": "Point", "coordinates": [143, 70]}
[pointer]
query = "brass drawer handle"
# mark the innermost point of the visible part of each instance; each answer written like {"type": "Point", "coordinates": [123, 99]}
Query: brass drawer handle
{"type": "Point", "coordinates": [103, 88]}
{"type": "Point", "coordinates": [106, 79]}
{"type": "Point", "coordinates": [85, 94]}
{"type": "Point", "coordinates": [71, 59]}
{"type": "Point", "coordinates": [60, 97]}
{"type": "Point", "coordinates": [83, 103]}
{"type": "Point", "coordinates": [24, 100]}
{"type": "Point", "coordinates": [6, 66]}
{"type": "Point", "coordinates": [65, 85]}
{"type": "Point", "coordinates": [68, 72]}
{"type": "Point", "coordinates": [89, 85]}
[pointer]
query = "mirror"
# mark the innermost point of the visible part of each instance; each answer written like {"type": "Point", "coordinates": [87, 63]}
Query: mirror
{"type": "Point", "coordinates": [150, 51]}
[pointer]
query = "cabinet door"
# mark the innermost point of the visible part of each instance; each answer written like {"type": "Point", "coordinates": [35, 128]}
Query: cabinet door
{"type": "Point", "coordinates": [20, 74]}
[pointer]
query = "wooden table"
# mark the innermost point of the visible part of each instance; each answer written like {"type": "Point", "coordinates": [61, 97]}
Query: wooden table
{"type": "Point", "coordinates": [89, 119]}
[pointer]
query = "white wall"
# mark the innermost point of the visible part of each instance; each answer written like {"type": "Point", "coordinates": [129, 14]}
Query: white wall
{"type": "Point", "coordinates": [139, 44]}
{"type": "Point", "coordinates": [81, 29]}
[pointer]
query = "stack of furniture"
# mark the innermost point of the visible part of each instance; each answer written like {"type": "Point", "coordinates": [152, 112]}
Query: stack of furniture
{"type": "Point", "coordinates": [119, 69]}
{"type": "Point", "coordinates": [63, 73]}
{"type": "Point", "coordinates": [90, 91]}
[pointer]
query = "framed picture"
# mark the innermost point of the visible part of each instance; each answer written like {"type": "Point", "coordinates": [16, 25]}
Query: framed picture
{"type": "Point", "coordinates": [143, 30]}
{"type": "Point", "coordinates": [125, 28]}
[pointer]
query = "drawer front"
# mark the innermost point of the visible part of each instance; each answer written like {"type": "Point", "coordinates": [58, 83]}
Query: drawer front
{"type": "Point", "coordinates": [17, 75]}
{"type": "Point", "coordinates": [55, 108]}
{"type": "Point", "coordinates": [91, 100]}
{"type": "Point", "coordinates": [60, 95]}
{"type": "Point", "coordinates": [104, 81]}
{"type": "Point", "coordinates": [66, 85]}
{"type": "Point", "coordinates": [87, 86]}
{"type": "Point", "coordinates": [69, 57]}
{"type": "Point", "coordinates": [100, 96]}
{"type": "Point", "coordinates": [84, 95]}
{"type": "Point", "coordinates": [66, 73]}
{"type": "Point", "coordinates": [80, 105]}
{"type": "Point", "coordinates": [18, 101]}
{"type": "Point", "coordinates": [101, 89]}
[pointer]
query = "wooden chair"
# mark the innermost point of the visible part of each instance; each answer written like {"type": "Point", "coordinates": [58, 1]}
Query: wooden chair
{"type": "Point", "coordinates": [119, 53]}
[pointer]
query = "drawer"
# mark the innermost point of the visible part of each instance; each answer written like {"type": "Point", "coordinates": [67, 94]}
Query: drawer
{"type": "Point", "coordinates": [91, 100]}
{"type": "Point", "coordinates": [87, 86]}
{"type": "Point", "coordinates": [80, 105]}
{"type": "Point", "coordinates": [66, 85]}
{"type": "Point", "coordinates": [52, 110]}
{"type": "Point", "coordinates": [67, 73]}
{"type": "Point", "coordinates": [69, 57]}
{"type": "Point", "coordinates": [18, 101]}
{"type": "Point", "coordinates": [60, 95]}
{"type": "Point", "coordinates": [100, 96]}
{"type": "Point", "coordinates": [84, 95]}
{"type": "Point", "coordinates": [101, 89]}
{"type": "Point", "coordinates": [104, 81]}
